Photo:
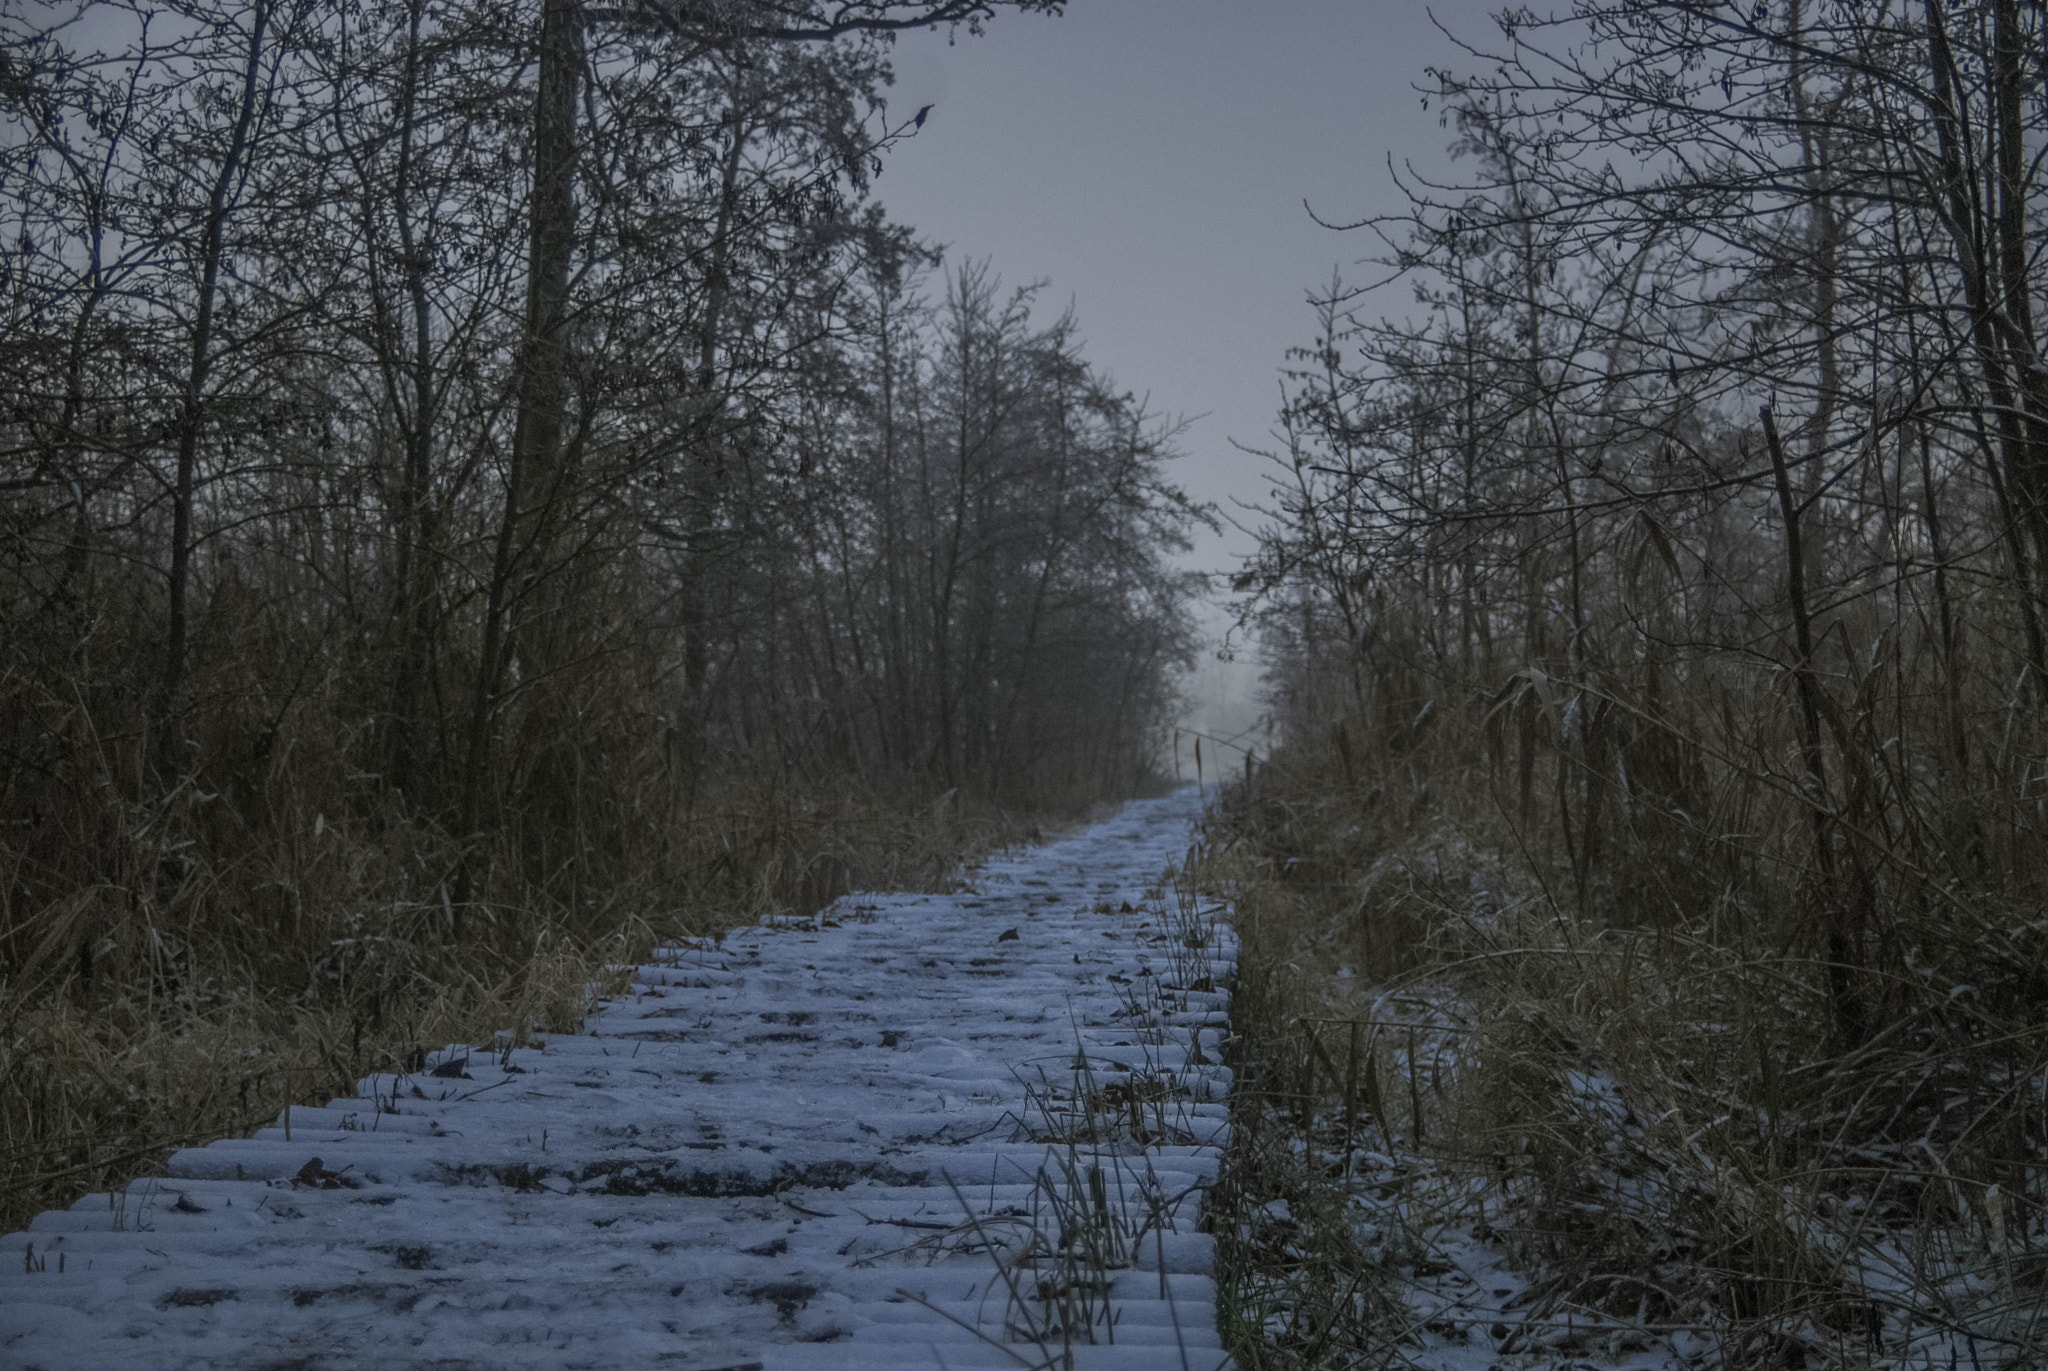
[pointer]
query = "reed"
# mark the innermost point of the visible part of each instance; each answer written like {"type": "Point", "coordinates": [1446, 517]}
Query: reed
{"type": "Point", "coordinates": [1660, 1121]}
{"type": "Point", "coordinates": [143, 1013]}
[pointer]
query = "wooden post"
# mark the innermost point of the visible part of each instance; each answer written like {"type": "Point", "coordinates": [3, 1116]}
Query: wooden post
{"type": "Point", "coordinates": [1306, 1084]}
{"type": "Point", "coordinates": [1375, 1098]}
{"type": "Point", "coordinates": [1351, 1096]}
{"type": "Point", "coordinates": [1414, 1092]}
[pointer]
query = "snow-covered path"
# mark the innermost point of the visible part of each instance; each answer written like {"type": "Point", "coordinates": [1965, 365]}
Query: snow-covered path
{"type": "Point", "coordinates": [922, 1131]}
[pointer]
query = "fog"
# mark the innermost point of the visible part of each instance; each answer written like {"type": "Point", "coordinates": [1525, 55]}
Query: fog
{"type": "Point", "coordinates": [1156, 162]}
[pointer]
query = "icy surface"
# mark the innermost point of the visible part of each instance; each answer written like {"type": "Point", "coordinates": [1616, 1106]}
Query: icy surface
{"type": "Point", "coordinates": [919, 1131]}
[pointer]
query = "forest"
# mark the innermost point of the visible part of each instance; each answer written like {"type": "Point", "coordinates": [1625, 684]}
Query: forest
{"type": "Point", "coordinates": [479, 483]}
{"type": "Point", "coordinates": [1653, 581]}
{"type": "Point", "coordinates": [488, 491]}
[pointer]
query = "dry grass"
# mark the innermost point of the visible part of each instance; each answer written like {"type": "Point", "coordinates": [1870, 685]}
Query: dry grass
{"type": "Point", "coordinates": [1658, 1123]}
{"type": "Point", "coordinates": [1296, 1287]}
{"type": "Point", "coordinates": [192, 996]}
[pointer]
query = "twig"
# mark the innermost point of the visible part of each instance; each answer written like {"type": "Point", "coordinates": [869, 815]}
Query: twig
{"type": "Point", "coordinates": [809, 1213]}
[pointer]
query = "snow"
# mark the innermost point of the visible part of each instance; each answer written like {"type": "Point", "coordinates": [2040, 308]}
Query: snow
{"type": "Point", "coordinates": [1433, 1222]}
{"type": "Point", "coordinates": [893, 1137]}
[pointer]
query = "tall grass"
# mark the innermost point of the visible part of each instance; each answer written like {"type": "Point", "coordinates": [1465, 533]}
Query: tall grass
{"type": "Point", "coordinates": [1652, 1108]}
{"type": "Point", "coordinates": [209, 976]}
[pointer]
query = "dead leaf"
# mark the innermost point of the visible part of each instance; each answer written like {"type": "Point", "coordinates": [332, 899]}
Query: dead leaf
{"type": "Point", "coordinates": [314, 1176]}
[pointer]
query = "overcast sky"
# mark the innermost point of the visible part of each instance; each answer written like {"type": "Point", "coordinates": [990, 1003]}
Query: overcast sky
{"type": "Point", "coordinates": [1150, 159]}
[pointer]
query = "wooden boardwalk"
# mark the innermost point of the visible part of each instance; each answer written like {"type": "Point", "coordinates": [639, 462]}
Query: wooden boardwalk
{"type": "Point", "coordinates": [920, 1131]}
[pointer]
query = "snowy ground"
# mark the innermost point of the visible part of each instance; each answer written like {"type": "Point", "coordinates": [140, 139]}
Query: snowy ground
{"type": "Point", "coordinates": [1433, 1223]}
{"type": "Point", "coordinates": [921, 1131]}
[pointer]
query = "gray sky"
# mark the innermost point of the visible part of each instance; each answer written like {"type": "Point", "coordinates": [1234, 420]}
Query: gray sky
{"type": "Point", "coordinates": [1150, 159]}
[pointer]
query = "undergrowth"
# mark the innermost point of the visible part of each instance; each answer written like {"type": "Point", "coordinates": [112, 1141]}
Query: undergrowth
{"type": "Point", "coordinates": [1657, 1124]}
{"type": "Point", "coordinates": [187, 995]}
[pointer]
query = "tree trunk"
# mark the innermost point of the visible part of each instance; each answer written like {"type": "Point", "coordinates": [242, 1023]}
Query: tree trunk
{"type": "Point", "coordinates": [414, 573]}
{"type": "Point", "coordinates": [1820, 806]}
{"type": "Point", "coordinates": [535, 485]}
{"type": "Point", "coordinates": [167, 742]}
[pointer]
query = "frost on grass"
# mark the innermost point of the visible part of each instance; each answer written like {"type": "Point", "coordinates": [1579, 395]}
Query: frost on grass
{"type": "Point", "coordinates": [912, 1131]}
{"type": "Point", "coordinates": [1474, 1129]}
